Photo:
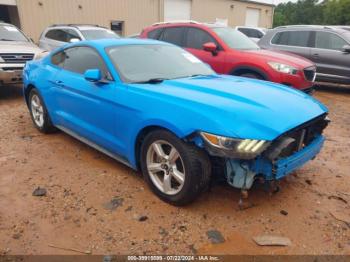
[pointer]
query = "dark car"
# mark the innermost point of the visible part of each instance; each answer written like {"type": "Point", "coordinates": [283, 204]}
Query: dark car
{"type": "Point", "coordinates": [230, 52]}
{"type": "Point", "coordinates": [327, 46]}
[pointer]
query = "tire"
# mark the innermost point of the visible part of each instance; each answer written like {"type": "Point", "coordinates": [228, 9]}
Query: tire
{"type": "Point", "coordinates": [38, 113]}
{"type": "Point", "coordinates": [192, 162]}
{"type": "Point", "coordinates": [251, 75]}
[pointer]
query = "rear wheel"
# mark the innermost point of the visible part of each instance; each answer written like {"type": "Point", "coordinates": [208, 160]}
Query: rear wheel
{"type": "Point", "coordinates": [176, 172]}
{"type": "Point", "coordinates": [39, 113]}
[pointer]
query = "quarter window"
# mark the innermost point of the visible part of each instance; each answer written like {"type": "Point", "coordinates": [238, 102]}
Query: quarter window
{"type": "Point", "coordinates": [196, 38]}
{"type": "Point", "coordinates": [62, 35]}
{"type": "Point", "coordinates": [58, 59]}
{"type": "Point", "coordinates": [173, 35]}
{"type": "Point", "coordinates": [292, 38]}
{"type": "Point", "coordinates": [155, 33]}
{"type": "Point", "coordinates": [327, 40]}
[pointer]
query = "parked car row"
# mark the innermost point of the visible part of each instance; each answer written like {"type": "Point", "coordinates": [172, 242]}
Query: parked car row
{"type": "Point", "coordinates": [16, 48]}
{"type": "Point", "coordinates": [289, 55]}
{"type": "Point", "coordinates": [230, 52]}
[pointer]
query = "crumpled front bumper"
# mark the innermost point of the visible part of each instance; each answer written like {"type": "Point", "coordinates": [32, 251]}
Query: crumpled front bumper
{"type": "Point", "coordinates": [287, 165]}
{"type": "Point", "coordinates": [241, 174]}
{"type": "Point", "coordinates": [11, 76]}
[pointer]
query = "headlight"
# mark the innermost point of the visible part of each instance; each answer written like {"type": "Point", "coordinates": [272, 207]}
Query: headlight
{"type": "Point", "coordinates": [240, 148]}
{"type": "Point", "coordinates": [283, 68]}
{"type": "Point", "coordinates": [40, 55]}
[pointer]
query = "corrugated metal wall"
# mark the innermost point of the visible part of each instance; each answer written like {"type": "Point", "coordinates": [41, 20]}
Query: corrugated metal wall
{"type": "Point", "coordinates": [36, 15]}
{"type": "Point", "coordinates": [234, 11]}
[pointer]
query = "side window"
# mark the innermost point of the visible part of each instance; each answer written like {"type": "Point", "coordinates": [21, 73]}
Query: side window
{"type": "Point", "coordinates": [196, 38]}
{"type": "Point", "coordinates": [58, 59]}
{"type": "Point", "coordinates": [62, 35]}
{"type": "Point", "coordinates": [173, 35]}
{"type": "Point", "coordinates": [71, 34]}
{"type": "Point", "coordinates": [248, 32]}
{"type": "Point", "coordinates": [258, 34]}
{"type": "Point", "coordinates": [292, 38]}
{"type": "Point", "coordinates": [327, 40]}
{"type": "Point", "coordinates": [80, 59]}
{"type": "Point", "coordinates": [155, 33]}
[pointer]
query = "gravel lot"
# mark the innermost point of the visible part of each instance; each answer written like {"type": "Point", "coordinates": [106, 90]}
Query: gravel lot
{"type": "Point", "coordinates": [94, 203]}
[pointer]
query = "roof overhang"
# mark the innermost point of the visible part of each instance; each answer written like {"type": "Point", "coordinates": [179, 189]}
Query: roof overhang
{"type": "Point", "coordinates": [8, 2]}
{"type": "Point", "coordinates": [256, 3]}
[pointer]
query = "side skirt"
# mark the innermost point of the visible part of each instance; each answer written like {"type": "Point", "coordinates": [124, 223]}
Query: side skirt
{"type": "Point", "coordinates": [95, 146]}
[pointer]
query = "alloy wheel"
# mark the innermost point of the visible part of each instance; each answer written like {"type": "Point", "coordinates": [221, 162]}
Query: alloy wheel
{"type": "Point", "coordinates": [37, 110]}
{"type": "Point", "coordinates": [165, 167]}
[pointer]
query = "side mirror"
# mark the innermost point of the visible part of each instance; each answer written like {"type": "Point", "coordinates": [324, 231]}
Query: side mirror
{"type": "Point", "coordinates": [211, 47]}
{"type": "Point", "coordinates": [346, 48]}
{"type": "Point", "coordinates": [93, 75]}
{"type": "Point", "coordinates": [74, 40]}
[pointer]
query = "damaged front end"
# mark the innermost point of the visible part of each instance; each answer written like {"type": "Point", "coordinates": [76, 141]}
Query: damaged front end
{"type": "Point", "coordinates": [246, 160]}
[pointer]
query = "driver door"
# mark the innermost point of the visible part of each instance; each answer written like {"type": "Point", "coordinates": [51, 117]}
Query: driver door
{"type": "Point", "coordinates": [331, 60]}
{"type": "Point", "coordinates": [85, 108]}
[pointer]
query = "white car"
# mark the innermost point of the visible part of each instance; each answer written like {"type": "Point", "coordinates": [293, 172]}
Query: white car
{"type": "Point", "coordinates": [254, 33]}
{"type": "Point", "coordinates": [15, 50]}
{"type": "Point", "coordinates": [58, 35]}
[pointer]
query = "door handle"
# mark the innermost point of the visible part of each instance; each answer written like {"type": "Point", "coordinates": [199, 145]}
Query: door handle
{"type": "Point", "coordinates": [59, 83]}
{"type": "Point", "coordinates": [316, 55]}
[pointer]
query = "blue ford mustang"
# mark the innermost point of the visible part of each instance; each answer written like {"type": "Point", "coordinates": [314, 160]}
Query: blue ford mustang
{"type": "Point", "coordinates": [157, 108]}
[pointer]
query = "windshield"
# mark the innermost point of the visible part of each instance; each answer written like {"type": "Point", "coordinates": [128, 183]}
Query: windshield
{"type": "Point", "coordinates": [141, 63]}
{"type": "Point", "coordinates": [235, 39]}
{"type": "Point", "coordinates": [347, 37]}
{"type": "Point", "coordinates": [11, 33]}
{"type": "Point", "coordinates": [92, 34]}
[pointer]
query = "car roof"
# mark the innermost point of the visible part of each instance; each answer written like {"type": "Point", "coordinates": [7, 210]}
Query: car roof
{"type": "Point", "coordinates": [340, 29]}
{"type": "Point", "coordinates": [185, 23]}
{"type": "Point", "coordinates": [78, 26]}
{"type": "Point", "coordinates": [105, 43]}
{"type": "Point", "coordinates": [251, 27]}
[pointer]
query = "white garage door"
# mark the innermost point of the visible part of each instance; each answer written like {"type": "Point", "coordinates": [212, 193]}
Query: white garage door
{"type": "Point", "coordinates": [177, 10]}
{"type": "Point", "coordinates": [252, 17]}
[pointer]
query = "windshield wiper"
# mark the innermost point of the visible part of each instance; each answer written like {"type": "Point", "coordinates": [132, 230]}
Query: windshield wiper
{"type": "Point", "coordinates": [4, 39]}
{"type": "Point", "coordinates": [151, 81]}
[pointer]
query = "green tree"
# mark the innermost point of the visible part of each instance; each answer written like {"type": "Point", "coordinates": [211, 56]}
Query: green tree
{"type": "Point", "coordinates": [336, 12]}
{"type": "Point", "coordinates": [328, 12]}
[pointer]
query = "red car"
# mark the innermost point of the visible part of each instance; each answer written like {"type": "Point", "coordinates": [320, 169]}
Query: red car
{"type": "Point", "coordinates": [230, 52]}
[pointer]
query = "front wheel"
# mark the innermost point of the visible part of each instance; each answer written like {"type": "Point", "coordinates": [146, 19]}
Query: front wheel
{"type": "Point", "coordinates": [38, 113]}
{"type": "Point", "coordinates": [176, 172]}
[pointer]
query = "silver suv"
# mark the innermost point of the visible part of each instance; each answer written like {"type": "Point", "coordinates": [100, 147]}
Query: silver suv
{"type": "Point", "coordinates": [15, 50]}
{"type": "Point", "coordinates": [58, 35]}
{"type": "Point", "coordinates": [327, 46]}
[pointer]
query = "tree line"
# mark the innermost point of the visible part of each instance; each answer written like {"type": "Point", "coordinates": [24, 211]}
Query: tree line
{"type": "Point", "coordinates": [327, 12]}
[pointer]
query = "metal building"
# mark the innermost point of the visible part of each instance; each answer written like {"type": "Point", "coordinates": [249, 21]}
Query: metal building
{"type": "Point", "coordinates": [130, 16]}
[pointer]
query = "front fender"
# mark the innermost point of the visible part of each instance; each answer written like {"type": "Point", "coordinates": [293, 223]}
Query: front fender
{"type": "Point", "coordinates": [252, 69]}
{"type": "Point", "coordinates": [180, 133]}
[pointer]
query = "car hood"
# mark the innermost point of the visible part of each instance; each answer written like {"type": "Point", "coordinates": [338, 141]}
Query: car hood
{"type": "Point", "coordinates": [282, 57]}
{"type": "Point", "coordinates": [19, 47]}
{"type": "Point", "coordinates": [234, 106]}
